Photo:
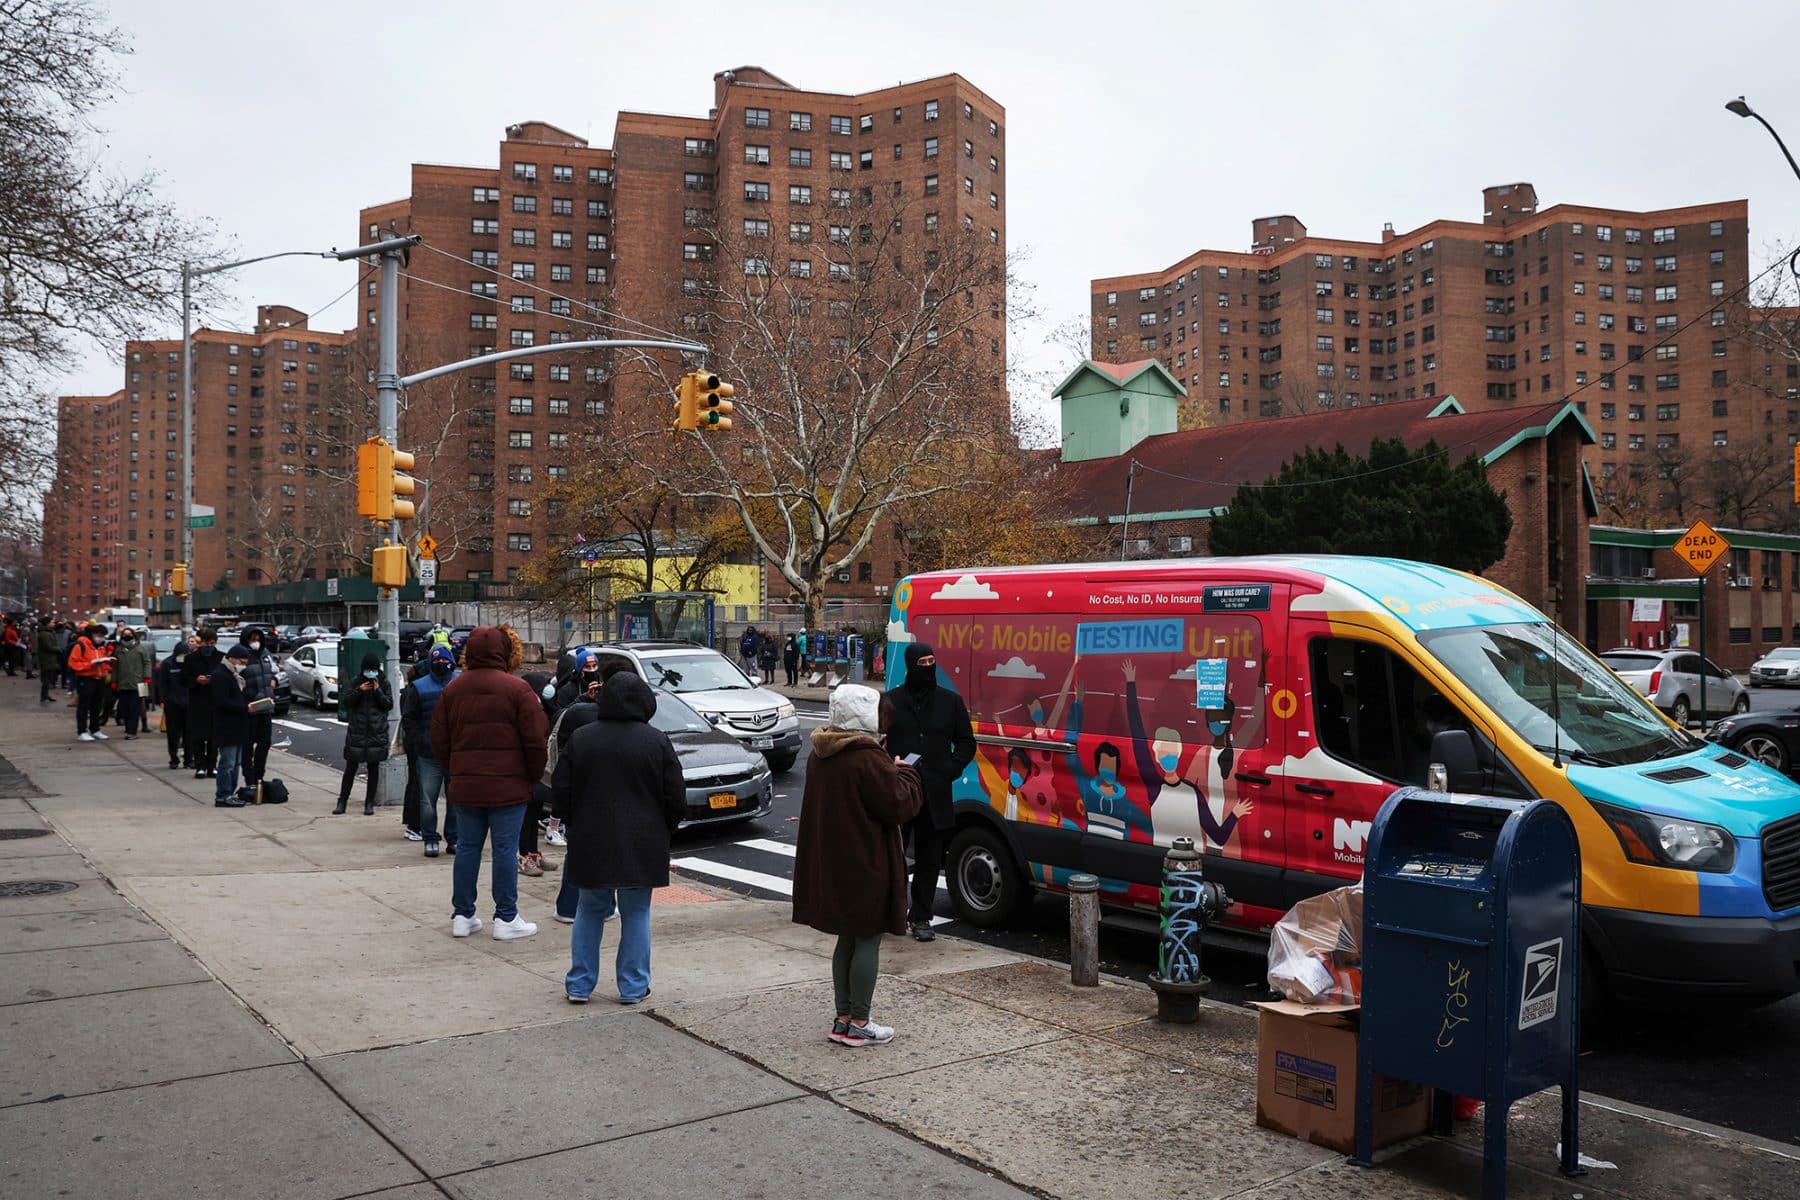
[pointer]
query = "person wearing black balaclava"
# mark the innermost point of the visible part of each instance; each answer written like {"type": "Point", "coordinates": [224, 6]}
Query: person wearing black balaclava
{"type": "Point", "coordinates": [919, 717]}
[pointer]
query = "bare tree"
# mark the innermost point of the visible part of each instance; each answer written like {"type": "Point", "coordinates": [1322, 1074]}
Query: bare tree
{"type": "Point", "coordinates": [1749, 485]}
{"type": "Point", "coordinates": [852, 386]}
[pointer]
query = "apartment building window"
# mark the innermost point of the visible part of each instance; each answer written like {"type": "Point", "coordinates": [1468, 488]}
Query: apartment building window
{"type": "Point", "coordinates": [486, 258]}
{"type": "Point", "coordinates": [755, 228]}
{"type": "Point", "coordinates": [696, 181]}
{"type": "Point", "coordinates": [698, 147]}
{"type": "Point", "coordinates": [561, 273]}
{"type": "Point", "coordinates": [1601, 232]}
{"type": "Point", "coordinates": [866, 122]}
{"type": "Point", "coordinates": [799, 122]}
{"type": "Point", "coordinates": [1715, 229]}
{"type": "Point", "coordinates": [483, 321]}
{"type": "Point", "coordinates": [524, 304]}
{"type": "Point", "coordinates": [756, 265]}
{"type": "Point", "coordinates": [1665, 234]}
{"type": "Point", "coordinates": [840, 125]}
{"type": "Point", "coordinates": [486, 195]}
{"type": "Point", "coordinates": [561, 240]}
{"type": "Point", "coordinates": [756, 118]}
{"type": "Point", "coordinates": [696, 251]}
{"type": "Point", "coordinates": [1718, 319]}
{"type": "Point", "coordinates": [523, 270]}
{"type": "Point", "coordinates": [518, 439]}
{"type": "Point", "coordinates": [799, 231]}
{"type": "Point", "coordinates": [524, 237]}
{"type": "Point", "coordinates": [484, 225]}
{"type": "Point", "coordinates": [1634, 412]}
{"type": "Point", "coordinates": [596, 241]}
{"type": "Point", "coordinates": [1716, 288]}
{"type": "Point", "coordinates": [1323, 316]}
{"type": "Point", "coordinates": [1603, 262]}
{"type": "Point", "coordinates": [1668, 412]}
{"type": "Point", "coordinates": [600, 176]}
{"type": "Point", "coordinates": [519, 508]}
{"type": "Point", "coordinates": [931, 147]}
{"type": "Point", "coordinates": [799, 157]}
{"type": "Point", "coordinates": [1668, 383]}
{"type": "Point", "coordinates": [1634, 266]}
{"type": "Point", "coordinates": [1634, 442]}
{"type": "Point", "coordinates": [525, 204]}
{"type": "Point", "coordinates": [866, 159]}
{"type": "Point", "coordinates": [526, 171]}
{"type": "Point", "coordinates": [562, 208]}
{"type": "Point", "coordinates": [756, 155]}
{"type": "Point", "coordinates": [1665, 294]}
{"type": "Point", "coordinates": [841, 161]}
{"type": "Point", "coordinates": [519, 406]}
{"type": "Point", "coordinates": [559, 307]}
{"type": "Point", "coordinates": [1608, 440]}
{"type": "Point", "coordinates": [1664, 262]}
{"type": "Point", "coordinates": [523, 337]}
{"type": "Point", "coordinates": [1667, 353]}
{"type": "Point", "coordinates": [1634, 383]}
{"type": "Point", "coordinates": [518, 541]}
{"type": "Point", "coordinates": [1578, 287]}
{"type": "Point", "coordinates": [562, 174]}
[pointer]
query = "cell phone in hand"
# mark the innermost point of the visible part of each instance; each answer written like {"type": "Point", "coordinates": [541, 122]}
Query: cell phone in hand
{"type": "Point", "coordinates": [911, 760]}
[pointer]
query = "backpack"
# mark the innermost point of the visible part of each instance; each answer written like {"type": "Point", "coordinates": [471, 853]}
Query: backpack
{"type": "Point", "coordinates": [551, 752]}
{"type": "Point", "coordinates": [274, 792]}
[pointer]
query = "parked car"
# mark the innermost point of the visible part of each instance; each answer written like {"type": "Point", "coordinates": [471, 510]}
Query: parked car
{"type": "Point", "coordinates": [274, 641]}
{"type": "Point", "coordinates": [724, 781]}
{"type": "Point", "coordinates": [1670, 679]}
{"type": "Point", "coordinates": [163, 641]}
{"type": "Point", "coordinates": [412, 638]}
{"type": "Point", "coordinates": [313, 673]}
{"type": "Point", "coordinates": [284, 692]}
{"type": "Point", "coordinates": [1771, 738]}
{"type": "Point", "coordinates": [1780, 667]}
{"type": "Point", "coordinates": [714, 687]}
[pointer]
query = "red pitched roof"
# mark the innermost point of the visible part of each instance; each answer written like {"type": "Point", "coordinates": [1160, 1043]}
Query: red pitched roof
{"type": "Point", "coordinates": [1122, 371]}
{"type": "Point", "coordinates": [1203, 468]}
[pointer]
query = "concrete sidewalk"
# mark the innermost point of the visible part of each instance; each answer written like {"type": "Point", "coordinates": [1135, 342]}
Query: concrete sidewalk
{"type": "Point", "coordinates": [268, 1002]}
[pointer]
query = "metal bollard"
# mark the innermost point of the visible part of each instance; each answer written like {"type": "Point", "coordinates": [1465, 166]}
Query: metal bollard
{"type": "Point", "coordinates": [1189, 905]}
{"type": "Point", "coordinates": [1084, 930]}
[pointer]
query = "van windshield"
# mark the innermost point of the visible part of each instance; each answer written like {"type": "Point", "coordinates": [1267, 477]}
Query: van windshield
{"type": "Point", "coordinates": [1555, 694]}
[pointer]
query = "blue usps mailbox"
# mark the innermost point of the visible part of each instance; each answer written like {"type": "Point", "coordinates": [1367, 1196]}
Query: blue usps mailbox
{"type": "Point", "coordinates": [1471, 961]}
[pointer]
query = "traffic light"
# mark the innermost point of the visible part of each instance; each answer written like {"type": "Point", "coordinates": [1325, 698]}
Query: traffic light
{"type": "Point", "coordinates": [389, 566]}
{"type": "Point", "coordinates": [178, 584]}
{"type": "Point", "coordinates": [714, 407]}
{"type": "Point", "coordinates": [381, 481]}
{"type": "Point", "coordinates": [687, 403]}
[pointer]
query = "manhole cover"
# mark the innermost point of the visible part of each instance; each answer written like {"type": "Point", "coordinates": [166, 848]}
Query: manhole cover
{"type": "Point", "coordinates": [14, 835]}
{"type": "Point", "coordinates": [18, 889]}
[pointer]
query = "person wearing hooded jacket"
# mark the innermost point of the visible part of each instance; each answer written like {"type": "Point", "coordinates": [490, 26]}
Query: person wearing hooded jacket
{"type": "Point", "coordinates": [369, 700]}
{"type": "Point", "coordinates": [259, 681]}
{"type": "Point", "coordinates": [620, 788]}
{"type": "Point", "coordinates": [850, 865]}
{"type": "Point", "coordinates": [231, 698]}
{"type": "Point", "coordinates": [919, 717]}
{"type": "Point", "coordinates": [489, 734]}
{"type": "Point", "coordinates": [417, 703]}
{"type": "Point", "coordinates": [204, 666]}
{"type": "Point", "coordinates": [89, 663]}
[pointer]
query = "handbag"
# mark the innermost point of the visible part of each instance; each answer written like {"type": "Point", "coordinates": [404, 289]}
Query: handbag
{"type": "Point", "coordinates": [162, 722]}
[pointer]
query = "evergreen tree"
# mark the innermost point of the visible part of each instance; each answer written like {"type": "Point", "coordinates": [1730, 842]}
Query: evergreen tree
{"type": "Point", "coordinates": [1396, 503]}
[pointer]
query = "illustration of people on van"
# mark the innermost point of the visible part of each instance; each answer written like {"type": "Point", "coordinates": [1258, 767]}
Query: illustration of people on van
{"type": "Point", "coordinates": [1159, 765]}
{"type": "Point", "coordinates": [1033, 793]}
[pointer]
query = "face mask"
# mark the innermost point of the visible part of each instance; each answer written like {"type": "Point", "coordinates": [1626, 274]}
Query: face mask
{"type": "Point", "coordinates": [1108, 775]}
{"type": "Point", "coordinates": [255, 645]}
{"type": "Point", "coordinates": [921, 678]}
{"type": "Point", "coordinates": [1018, 781]}
{"type": "Point", "coordinates": [371, 674]}
{"type": "Point", "coordinates": [1218, 727]}
{"type": "Point", "coordinates": [1169, 762]}
{"type": "Point", "coordinates": [440, 670]}
{"type": "Point", "coordinates": [235, 665]}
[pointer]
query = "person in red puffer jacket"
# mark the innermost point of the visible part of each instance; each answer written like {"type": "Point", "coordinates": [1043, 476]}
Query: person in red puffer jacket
{"type": "Point", "coordinates": [489, 735]}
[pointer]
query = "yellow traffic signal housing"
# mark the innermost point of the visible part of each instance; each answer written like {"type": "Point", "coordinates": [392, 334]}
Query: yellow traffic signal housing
{"type": "Point", "coordinates": [687, 403]}
{"type": "Point", "coordinates": [380, 481]}
{"type": "Point", "coordinates": [178, 584]}
{"type": "Point", "coordinates": [715, 408]}
{"type": "Point", "coordinates": [390, 567]}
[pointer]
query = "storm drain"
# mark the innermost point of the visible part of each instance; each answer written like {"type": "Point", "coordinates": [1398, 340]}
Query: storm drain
{"type": "Point", "coordinates": [20, 889]}
{"type": "Point", "coordinates": [17, 835]}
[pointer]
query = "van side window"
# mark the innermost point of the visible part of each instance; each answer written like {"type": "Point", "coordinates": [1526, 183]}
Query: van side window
{"type": "Point", "coordinates": [1373, 711]}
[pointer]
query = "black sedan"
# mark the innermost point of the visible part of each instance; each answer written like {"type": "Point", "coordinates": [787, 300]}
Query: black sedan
{"type": "Point", "coordinates": [725, 782]}
{"type": "Point", "coordinates": [1771, 737]}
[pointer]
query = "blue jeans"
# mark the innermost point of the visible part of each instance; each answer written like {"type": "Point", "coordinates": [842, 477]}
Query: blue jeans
{"type": "Point", "coordinates": [226, 780]}
{"type": "Point", "coordinates": [473, 825]}
{"type": "Point", "coordinates": [432, 782]}
{"type": "Point", "coordinates": [568, 896]}
{"type": "Point", "coordinates": [631, 970]}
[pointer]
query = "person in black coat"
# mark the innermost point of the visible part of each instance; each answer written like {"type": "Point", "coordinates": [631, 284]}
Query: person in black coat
{"type": "Point", "coordinates": [790, 660]}
{"type": "Point", "coordinates": [619, 788]}
{"type": "Point", "coordinates": [366, 733]}
{"type": "Point", "coordinates": [204, 665]}
{"type": "Point", "coordinates": [231, 698]}
{"type": "Point", "coordinates": [919, 717]}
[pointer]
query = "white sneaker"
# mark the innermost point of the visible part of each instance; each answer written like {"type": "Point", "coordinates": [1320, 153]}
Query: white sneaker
{"type": "Point", "coordinates": [464, 926]}
{"type": "Point", "coordinates": [876, 1034]}
{"type": "Point", "coordinates": [86, 737]}
{"type": "Point", "coordinates": [508, 931]}
{"type": "Point", "coordinates": [554, 835]}
{"type": "Point", "coordinates": [98, 736]}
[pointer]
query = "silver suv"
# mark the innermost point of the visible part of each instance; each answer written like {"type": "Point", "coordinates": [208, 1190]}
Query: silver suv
{"type": "Point", "coordinates": [714, 687]}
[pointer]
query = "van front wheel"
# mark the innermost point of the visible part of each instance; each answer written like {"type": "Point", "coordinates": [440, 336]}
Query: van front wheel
{"type": "Point", "coordinates": [985, 882]}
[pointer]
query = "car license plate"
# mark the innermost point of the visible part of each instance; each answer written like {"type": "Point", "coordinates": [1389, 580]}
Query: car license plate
{"type": "Point", "coordinates": [722, 800]}
{"type": "Point", "coordinates": [762, 743]}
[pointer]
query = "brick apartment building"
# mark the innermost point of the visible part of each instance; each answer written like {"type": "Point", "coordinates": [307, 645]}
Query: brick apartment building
{"type": "Point", "coordinates": [274, 433]}
{"type": "Point", "coordinates": [562, 242]}
{"type": "Point", "coordinates": [1637, 316]}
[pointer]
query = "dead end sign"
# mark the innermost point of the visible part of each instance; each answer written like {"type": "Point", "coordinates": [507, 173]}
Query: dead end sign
{"type": "Point", "coordinates": [1700, 547]}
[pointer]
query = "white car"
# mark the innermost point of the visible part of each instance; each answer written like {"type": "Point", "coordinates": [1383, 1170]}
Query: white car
{"type": "Point", "coordinates": [312, 672]}
{"type": "Point", "coordinates": [715, 688]}
{"type": "Point", "coordinates": [1780, 667]}
{"type": "Point", "coordinates": [1671, 681]}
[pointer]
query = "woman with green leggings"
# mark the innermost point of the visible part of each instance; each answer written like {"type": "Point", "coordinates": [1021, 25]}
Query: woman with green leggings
{"type": "Point", "coordinates": [849, 867]}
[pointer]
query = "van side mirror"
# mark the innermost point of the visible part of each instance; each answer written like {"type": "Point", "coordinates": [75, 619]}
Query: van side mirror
{"type": "Point", "coordinates": [1456, 750]}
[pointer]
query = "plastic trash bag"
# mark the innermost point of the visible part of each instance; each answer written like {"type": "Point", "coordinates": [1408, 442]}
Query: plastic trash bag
{"type": "Point", "coordinates": [1315, 951]}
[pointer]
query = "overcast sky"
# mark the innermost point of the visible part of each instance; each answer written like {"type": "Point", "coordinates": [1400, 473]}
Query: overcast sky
{"type": "Point", "coordinates": [1135, 134]}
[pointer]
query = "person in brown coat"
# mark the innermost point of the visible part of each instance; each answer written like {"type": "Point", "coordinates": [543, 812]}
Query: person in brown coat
{"type": "Point", "coordinates": [489, 734]}
{"type": "Point", "coordinates": [849, 867]}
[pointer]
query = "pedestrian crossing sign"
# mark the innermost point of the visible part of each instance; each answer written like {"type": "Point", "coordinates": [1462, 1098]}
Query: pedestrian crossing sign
{"type": "Point", "coordinates": [427, 546]}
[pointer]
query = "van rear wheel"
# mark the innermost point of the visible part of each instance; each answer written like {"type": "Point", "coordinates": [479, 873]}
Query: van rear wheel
{"type": "Point", "coordinates": [986, 883]}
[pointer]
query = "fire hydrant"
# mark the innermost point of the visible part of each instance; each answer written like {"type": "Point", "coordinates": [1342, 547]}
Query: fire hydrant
{"type": "Point", "coordinates": [1189, 905]}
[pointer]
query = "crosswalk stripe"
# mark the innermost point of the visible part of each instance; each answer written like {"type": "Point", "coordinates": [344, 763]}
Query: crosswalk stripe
{"type": "Point", "coordinates": [771, 883]}
{"type": "Point", "coordinates": [773, 847]}
{"type": "Point", "coordinates": [296, 725]}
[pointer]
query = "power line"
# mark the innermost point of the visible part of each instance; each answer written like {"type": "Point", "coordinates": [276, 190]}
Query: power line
{"type": "Point", "coordinates": [593, 308]}
{"type": "Point", "coordinates": [360, 280]}
{"type": "Point", "coordinates": [420, 279]}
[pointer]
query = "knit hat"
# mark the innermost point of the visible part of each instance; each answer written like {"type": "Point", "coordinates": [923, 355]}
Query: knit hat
{"type": "Point", "coordinates": [856, 707]}
{"type": "Point", "coordinates": [442, 654]}
{"type": "Point", "coordinates": [239, 651]}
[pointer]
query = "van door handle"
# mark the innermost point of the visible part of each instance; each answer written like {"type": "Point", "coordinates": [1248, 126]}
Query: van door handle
{"type": "Point", "coordinates": [1313, 789]}
{"type": "Point", "coordinates": [1253, 777]}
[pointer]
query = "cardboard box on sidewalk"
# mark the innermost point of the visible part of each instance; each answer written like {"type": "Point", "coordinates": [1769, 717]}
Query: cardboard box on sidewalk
{"type": "Point", "coordinates": [1306, 1079]}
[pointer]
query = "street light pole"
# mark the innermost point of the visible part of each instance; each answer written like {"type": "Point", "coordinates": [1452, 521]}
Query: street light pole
{"type": "Point", "coordinates": [188, 273]}
{"type": "Point", "coordinates": [1742, 109]}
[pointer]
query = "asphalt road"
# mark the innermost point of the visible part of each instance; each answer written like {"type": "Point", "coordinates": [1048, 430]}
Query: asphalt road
{"type": "Point", "coordinates": [1738, 1069]}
